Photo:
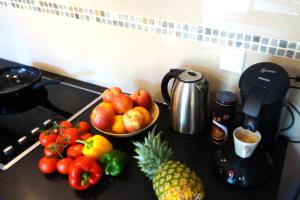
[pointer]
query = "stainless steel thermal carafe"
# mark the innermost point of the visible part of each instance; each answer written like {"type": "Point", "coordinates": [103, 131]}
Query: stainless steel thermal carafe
{"type": "Point", "coordinates": [188, 101]}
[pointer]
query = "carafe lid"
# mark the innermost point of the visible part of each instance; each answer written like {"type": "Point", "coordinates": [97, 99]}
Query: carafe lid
{"type": "Point", "coordinates": [191, 76]}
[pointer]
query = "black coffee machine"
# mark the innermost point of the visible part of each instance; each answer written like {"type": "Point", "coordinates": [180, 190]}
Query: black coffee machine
{"type": "Point", "coordinates": [263, 89]}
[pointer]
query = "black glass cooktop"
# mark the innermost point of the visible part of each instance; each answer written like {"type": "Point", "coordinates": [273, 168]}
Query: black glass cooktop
{"type": "Point", "coordinates": [23, 116]}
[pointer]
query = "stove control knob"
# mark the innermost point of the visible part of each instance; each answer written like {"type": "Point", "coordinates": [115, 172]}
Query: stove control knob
{"type": "Point", "coordinates": [8, 150]}
{"type": "Point", "coordinates": [22, 140]}
{"type": "Point", "coordinates": [35, 131]}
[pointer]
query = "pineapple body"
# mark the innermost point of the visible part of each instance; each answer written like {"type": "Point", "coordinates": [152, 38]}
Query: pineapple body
{"type": "Point", "coordinates": [175, 181]}
{"type": "Point", "coordinates": [172, 180]}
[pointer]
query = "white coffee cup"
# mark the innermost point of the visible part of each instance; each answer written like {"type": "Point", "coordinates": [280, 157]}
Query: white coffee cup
{"type": "Point", "coordinates": [245, 141]}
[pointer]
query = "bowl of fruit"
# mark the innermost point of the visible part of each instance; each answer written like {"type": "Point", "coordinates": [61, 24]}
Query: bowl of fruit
{"type": "Point", "coordinates": [122, 115]}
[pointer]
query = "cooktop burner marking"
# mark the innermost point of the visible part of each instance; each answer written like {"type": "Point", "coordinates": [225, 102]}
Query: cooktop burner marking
{"type": "Point", "coordinates": [36, 130]}
{"type": "Point", "coordinates": [24, 153]}
{"type": "Point", "coordinates": [22, 139]}
{"type": "Point", "coordinates": [85, 108]}
{"type": "Point", "coordinates": [17, 158]}
{"type": "Point", "coordinates": [7, 150]}
{"type": "Point", "coordinates": [47, 122]}
{"type": "Point", "coordinates": [74, 86]}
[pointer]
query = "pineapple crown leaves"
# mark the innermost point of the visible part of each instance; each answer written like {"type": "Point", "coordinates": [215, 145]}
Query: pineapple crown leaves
{"type": "Point", "coordinates": [152, 153]}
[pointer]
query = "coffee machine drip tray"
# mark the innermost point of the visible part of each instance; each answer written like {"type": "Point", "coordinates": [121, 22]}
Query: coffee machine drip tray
{"type": "Point", "coordinates": [242, 172]}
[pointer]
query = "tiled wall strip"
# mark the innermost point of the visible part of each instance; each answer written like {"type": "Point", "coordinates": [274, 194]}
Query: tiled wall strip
{"type": "Point", "coordinates": [197, 33]}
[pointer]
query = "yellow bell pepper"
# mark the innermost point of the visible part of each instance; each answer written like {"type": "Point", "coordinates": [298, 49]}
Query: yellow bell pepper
{"type": "Point", "coordinates": [96, 146]}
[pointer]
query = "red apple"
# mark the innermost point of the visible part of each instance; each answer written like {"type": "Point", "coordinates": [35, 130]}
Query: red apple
{"type": "Point", "coordinates": [142, 98]}
{"type": "Point", "coordinates": [133, 120]}
{"type": "Point", "coordinates": [102, 117]}
{"type": "Point", "coordinates": [110, 93]}
{"type": "Point", "coordinates": [122, 103]}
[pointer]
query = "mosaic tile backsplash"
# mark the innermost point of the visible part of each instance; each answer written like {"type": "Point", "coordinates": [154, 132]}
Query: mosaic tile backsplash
{"type": "Point", "coordinates": [168, 28]}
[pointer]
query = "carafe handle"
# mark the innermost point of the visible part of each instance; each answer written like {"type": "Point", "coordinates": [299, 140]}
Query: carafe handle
{"type": "Point", "coordinates": [173, 73]}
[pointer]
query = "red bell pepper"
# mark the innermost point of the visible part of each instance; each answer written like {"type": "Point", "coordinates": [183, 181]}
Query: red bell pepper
{"type": "Point", "coordinates": [84, 172]}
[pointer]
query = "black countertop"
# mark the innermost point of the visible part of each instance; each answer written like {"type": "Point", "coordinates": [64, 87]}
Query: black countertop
{"type": "Point", "coordinates": [24, 180]}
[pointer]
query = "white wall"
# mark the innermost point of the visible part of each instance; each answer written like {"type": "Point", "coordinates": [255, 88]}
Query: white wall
{"type": "Point", "coordinates": [112, 56]}
{"type": "Point", "coordinates": [102, 54]}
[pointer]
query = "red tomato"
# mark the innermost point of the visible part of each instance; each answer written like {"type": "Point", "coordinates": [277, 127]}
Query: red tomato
{"type": "Point", "coordinates": [47, 136]}
{"type": "Point", "coordinates": [83, 127]}
{"type": "Point", "coordinates": [68, 136]}
{"type": "Point", "coordinates": [85, 136]}
{"type": "Point", "coordinates": [53, 149]}
{"type": "Point", "coordinates": [47, 165]}
{"type": "Point", "coordinates": [65, 124]}
{"type": "Point", "coordinates": [75, 151]}
{"type": "Point", "coordinates": [62, 140]}
{"type": "Point", "coordinates": [63, 165]}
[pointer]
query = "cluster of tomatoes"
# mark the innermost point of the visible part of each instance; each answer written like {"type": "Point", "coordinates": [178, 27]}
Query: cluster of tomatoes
{"type": "Point", "coordinates": [60, 147]}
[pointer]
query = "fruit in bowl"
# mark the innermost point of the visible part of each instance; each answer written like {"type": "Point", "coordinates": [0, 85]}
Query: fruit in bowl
{"type": "Point", "coordinates": [133, 120]}
{"type": "Point", "coordinates": [110, 93]}
{"type": "Point", "coordinates": [102, 117]}
{"type": "Point", "coordinates": [142, 98]}
{"type": "Point", "coordinates": [123, 116]}
{"type": "Point", "coordinates": [118, 126]}
{"type": "Point", "coordinates": [122, 103]}
{"type": "Point", "coordinates": [145, 112]}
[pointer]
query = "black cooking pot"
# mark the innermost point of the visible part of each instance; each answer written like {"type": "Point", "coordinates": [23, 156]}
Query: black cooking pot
{"type": "Point", "coordinates": [23, 84]}
{"type": "Point", "coordinates": [21, 79]}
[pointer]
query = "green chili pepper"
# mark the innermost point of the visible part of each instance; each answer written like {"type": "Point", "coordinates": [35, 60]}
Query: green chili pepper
{"type": "Point", "coordinates": [114, 162]}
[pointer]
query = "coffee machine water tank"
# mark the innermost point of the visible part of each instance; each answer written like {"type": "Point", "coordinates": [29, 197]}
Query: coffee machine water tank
{"type": "Point", "coordinates": [263, 88]}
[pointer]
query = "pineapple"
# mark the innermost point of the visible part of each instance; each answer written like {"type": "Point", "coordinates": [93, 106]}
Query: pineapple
{"type": "Point", "coordinates": [172, 180]}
